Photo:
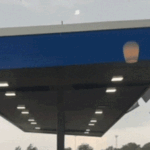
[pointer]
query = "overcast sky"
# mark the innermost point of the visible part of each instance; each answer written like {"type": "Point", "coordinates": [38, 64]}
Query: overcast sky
{"type": "Point", "coordinates": [14, 13]}
{"type": "Point", "coordinates": [133, 127]}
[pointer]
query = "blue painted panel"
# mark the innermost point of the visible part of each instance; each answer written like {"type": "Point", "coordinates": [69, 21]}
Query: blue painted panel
{"type": "Point", "coordinates": [71, 48]}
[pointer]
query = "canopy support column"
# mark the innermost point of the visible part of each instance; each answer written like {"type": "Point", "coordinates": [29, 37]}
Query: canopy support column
{"type": "Point", "coordinates": [60, 121]}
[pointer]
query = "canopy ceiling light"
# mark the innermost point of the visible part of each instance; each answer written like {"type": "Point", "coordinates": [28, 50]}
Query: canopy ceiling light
{"type": "Point", "coordinates": [98, 111]}
{"type": "Point", "coordinates": [21, 107]}
{"type": "Point", "coordinates": [111, 90]}
{"type": "Point", "coordinates": [91, 124]}
{"type": "Point", "coordinates": [93, 120]}
{"type": "Point", "coordinates": [30, 120]}
{"type": "Point", "coordinates": [131, 52]}
{"type": "Point", "coordinates": [4, 84]}
{"type": "Point", "coordinates": [117, 78]}
{"type": "Point", "coordinates": [10, 94]}
{"type": "Point", "coordinates": [33, 122]}
{"type": "Point", "coordinates": [37, 128]}
{"type": "Point", "coordinates": [25, 112]}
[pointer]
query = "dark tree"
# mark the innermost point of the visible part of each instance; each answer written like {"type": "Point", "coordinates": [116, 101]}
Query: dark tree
{"type": "Point", "coordinates": [68, 148]}
{"type": "Point", "coordinates": [30, 147]}
{"type": "Point", "coordinates": [146, 147]}
{"type": "Point", "coordinates": [18, 148]}
{"type": "Point", "coordinates": [110, 148]}
{"type": "Point", "coordinates": [85, 147]}
{"type": "Point", "coordinates": [130, 146]}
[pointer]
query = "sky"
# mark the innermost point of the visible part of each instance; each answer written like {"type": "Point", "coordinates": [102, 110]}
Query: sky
{"type": "Point", "coordinates": [15, 13]}
{"type": "Point", "coordinates": [130, 128]}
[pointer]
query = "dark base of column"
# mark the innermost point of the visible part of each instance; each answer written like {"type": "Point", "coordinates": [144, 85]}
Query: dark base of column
{"type": "Point", "coordinates": [60, 121]}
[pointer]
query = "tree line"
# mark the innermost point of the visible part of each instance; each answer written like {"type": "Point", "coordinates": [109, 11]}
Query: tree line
{"type": "Point", "coordinates": [131, 146]}
{"type": "Point", "coordinates": [30, 147]}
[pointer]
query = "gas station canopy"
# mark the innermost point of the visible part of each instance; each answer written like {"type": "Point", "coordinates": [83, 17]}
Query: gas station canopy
{"type": "Point", "coordinates": [85, 65]}
{"type": "Point", "coordinates": [85, 92]}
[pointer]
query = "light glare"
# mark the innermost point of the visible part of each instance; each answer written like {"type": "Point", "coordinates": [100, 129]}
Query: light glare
{"type": "Point", "coordinates": [131, 52]}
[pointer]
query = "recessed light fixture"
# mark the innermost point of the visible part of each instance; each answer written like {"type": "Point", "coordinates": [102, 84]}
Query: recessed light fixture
{"type": "Point", "coordinates": [93, 121]}
{"type": "Point", "coordinates": [21, 107]}
{"type": "Point", "coordinates": [98, 111]}
{"type": "Point", "coordinates": [117, 78]}
{"type": "Point", "coordinates": [37, 128]}
{"type": "Point", "coordinates": [10, 94]}
{"type": "Point", "coordinates": [33, 122]}
{"type": "Point", "coordinates": [87, 130]}
{"type": "Point", "coordinates": [111, 90]}
{"type": "Point", "coordinates": [4, 84]}
{"type": "Point", "coordinates": [25, 112]}
{"type": "Point", "coordinates": [91, 124]}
